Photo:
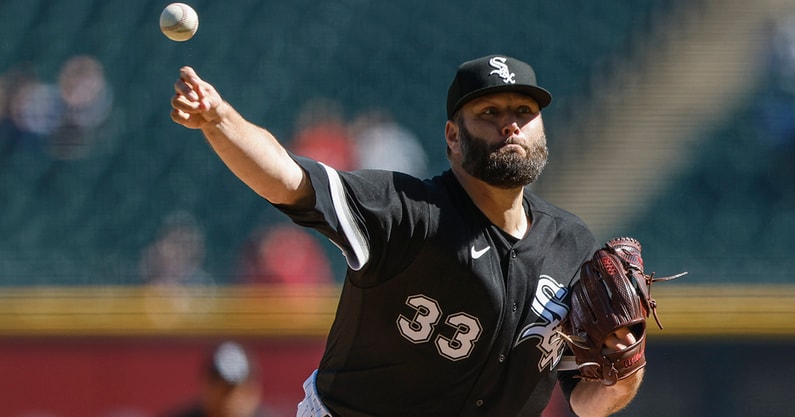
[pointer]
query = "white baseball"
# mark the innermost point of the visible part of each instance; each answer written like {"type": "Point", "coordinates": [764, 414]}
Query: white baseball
{"type": "Point", "coordinates": [179, 22]}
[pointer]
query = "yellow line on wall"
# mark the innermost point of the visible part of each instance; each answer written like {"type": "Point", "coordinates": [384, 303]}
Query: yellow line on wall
{"type": "Point", "coordinates": [167, 310]}
{"type": "Point", "coordinates": [725, 310]}
{"type": "Point", "coordinates": [685, 311]}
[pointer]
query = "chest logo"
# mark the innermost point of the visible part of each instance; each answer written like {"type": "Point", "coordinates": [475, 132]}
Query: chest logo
{"type": "Point", "coordinates": [477, 253]}
{"type": "Point", "coordinates": [550, 308]}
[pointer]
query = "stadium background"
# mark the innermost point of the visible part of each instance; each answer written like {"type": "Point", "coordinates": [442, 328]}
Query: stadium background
{"type": "Point", "coordinates": [673, 121]}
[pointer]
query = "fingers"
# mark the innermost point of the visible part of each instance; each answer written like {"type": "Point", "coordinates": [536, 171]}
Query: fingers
{"type": "Point", "coordinates": [189, 113]}
{"type": "Point", "coordinates": [189, 76]}
{"type": "Point", "coordinates": [623, 334]}
{"type": "Point", "coordinates": [182, 88]}
{"type": "Point", "coordinates": [198, 89]}
{"type": "Point", "coordinates": [186, 112]}
{"type": "Point", "coordinates": [179, 116]}
{"type": "Point", "coordinates": [195, 101]}
{"type": "Point", "coordinates": [621, 339]}
{"type": "Point", "coordinates": [184, 103]}
{"type": "Point", "coordinates": [194, 89]}
{"type": "Point", "coordinates": [189, 84]}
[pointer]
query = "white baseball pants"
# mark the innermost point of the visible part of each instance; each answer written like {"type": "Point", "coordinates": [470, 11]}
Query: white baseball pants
{"type": "Point", "coordinates": [311, 406]}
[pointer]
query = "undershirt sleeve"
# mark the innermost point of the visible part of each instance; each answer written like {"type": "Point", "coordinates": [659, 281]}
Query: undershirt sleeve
{"type": "Point", "coordinates": [567, 381]}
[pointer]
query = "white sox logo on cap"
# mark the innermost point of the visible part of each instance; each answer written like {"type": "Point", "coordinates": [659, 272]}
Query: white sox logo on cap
{"type": "Point", "coordinates": [493, 74]}
{"type": "Point", "coordinates": [501, 69]}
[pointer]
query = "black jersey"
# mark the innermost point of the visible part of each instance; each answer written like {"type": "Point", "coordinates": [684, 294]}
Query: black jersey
{"type": "Point", "coordinates": [440, 314]}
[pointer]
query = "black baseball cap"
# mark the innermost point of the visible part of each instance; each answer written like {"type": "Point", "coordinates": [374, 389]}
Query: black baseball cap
{"type": "Point", "coordinates": [493, 74]}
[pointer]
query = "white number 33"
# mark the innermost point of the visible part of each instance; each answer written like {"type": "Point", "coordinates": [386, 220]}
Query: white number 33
{"type": "Point", "coordinates": [421, 327]}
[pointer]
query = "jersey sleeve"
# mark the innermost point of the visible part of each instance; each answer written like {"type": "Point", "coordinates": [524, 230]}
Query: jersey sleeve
{"type": "Point", "coordinates": [365, 214]}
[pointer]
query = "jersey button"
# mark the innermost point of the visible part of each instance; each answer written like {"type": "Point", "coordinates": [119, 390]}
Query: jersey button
{"type": "Point", "coordinates": [501, 358]}
{"type": "Point", "coordinates": [514, 307]}
{"type": "Point", "coordinates": [513, 253]}
{"type": "Point", "coordinates": [479, 403]}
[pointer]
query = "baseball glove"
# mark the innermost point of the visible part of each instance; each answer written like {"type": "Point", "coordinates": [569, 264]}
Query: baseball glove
{"type": "Point", "coordinates": [613, 293]}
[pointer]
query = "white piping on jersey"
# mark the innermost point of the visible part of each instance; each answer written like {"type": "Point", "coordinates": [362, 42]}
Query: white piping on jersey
{"type": "Point", "coordinates": [351, 231]}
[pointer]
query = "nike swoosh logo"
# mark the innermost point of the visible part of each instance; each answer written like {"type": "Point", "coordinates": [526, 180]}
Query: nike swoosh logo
{"type": "Point", "coordinates": [478, 253]}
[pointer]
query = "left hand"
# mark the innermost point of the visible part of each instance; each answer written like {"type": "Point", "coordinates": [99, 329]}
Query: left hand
{"type": "Point", "coordinates": [618, 341]}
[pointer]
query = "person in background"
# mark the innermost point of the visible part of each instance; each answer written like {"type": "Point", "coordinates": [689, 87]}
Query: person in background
{"type": "Point", "coordinates": [383, 143]}
{"type": "Point", "coordinates": [231, 387]}
{"type": "Point", "coordinates": [177, 254]}
{"type": "Point", "coordinates": [322, 134]}
{"type": "Point", "coordinates": [283, 254]}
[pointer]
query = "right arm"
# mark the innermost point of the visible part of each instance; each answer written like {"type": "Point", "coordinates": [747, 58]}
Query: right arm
{"type": "Point", "coordinates": [252, 153]}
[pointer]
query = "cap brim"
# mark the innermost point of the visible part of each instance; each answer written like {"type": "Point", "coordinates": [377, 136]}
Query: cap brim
{"type": "Point", "coordinates": [540, 95]}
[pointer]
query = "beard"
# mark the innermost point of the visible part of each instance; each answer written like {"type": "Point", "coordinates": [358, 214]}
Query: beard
{"type": "Point", "coordinates": [500, 167]}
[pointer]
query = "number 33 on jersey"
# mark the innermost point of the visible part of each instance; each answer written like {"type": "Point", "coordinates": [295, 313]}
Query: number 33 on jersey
{"type": "Point", "coordinates": [547, 304]}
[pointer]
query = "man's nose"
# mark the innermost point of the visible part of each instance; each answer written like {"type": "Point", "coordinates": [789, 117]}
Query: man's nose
{"type": "Point", "coordinates": [511, 128]}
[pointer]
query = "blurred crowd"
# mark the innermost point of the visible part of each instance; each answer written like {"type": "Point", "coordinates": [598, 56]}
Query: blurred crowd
{"type": "Point", "coordinates": [277, 251]}
{"type": "Point", "coordinates": [66, 118]}
{"type": "Point", "coordinates": [60, 116]}
{"type": "Point", "coordinates": [776, 107]}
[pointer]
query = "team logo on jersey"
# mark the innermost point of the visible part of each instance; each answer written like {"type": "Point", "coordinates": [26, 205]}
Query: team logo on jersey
{"type": "Point", "coordinates": [501, 69]}
{"type": "Point", "coordinates": [549, 306]}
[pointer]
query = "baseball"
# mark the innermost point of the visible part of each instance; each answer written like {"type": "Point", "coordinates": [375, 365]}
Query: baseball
{"type": "Point", "coordinates": [179, 22]}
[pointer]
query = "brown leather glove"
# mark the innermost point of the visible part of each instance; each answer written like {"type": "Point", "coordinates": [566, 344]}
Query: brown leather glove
{"type": "Point", "coordinates": [611, 294]}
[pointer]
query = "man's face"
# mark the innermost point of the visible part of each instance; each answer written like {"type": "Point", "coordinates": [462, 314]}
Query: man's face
{"type": "Point", "coordinates": [502, 140]}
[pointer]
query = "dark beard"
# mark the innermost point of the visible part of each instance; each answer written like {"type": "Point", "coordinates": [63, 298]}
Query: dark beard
{"type": "Point", "coordinates": [499, 167]}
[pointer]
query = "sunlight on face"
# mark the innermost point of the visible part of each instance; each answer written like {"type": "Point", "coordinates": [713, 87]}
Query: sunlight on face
{"type": "Point", "coordinates": [517, 153]}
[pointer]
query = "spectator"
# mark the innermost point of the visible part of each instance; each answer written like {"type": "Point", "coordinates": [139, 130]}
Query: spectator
{"type": "Point", "coordinates": [231, 386]}
{"type": "Point", "coordinates": [177, 255]}
{"type": "Point", "coordinates": [321, 133]}
{"type": "Point", "coordinates": [60, 117]}
{"type": "Point", "coordinates": [87, 100]}
{"type": "Point", "coordinates": [34, 107]}
{"type": "Point", "coordinates": [284, 254]}
{"type": "Point", "coordinates": [383, 143]}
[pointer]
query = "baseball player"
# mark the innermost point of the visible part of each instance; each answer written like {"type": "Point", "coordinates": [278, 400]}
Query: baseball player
{"type": "Point", "coordinates": [456, 286]}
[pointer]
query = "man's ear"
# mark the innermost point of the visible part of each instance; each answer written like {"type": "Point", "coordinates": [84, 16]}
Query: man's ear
{"type": "Point", "coordinates": [451, 136]}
